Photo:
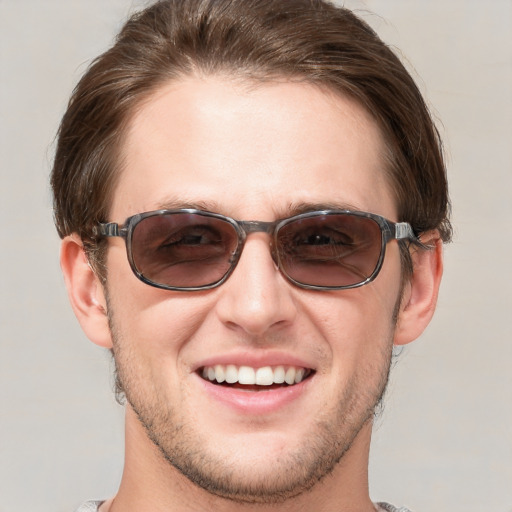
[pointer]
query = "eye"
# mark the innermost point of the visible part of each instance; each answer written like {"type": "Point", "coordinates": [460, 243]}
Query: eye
{"type": "Point", "coordinates": [322, 237]}
{"type": "Point", "coordinates": [195, 236]}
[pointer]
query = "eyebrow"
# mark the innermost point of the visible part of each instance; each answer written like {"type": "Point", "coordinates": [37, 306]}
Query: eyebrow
{"type": "Point", "coordinates": [180, 204]}
{"type": "Point", "coordinates": [296, 208]}
{"type": "Point", "coordinates": [291, 209]}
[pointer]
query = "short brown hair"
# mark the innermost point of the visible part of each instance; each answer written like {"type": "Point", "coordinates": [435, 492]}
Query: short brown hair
{"type": "Point", "coordinates": [307, 40]}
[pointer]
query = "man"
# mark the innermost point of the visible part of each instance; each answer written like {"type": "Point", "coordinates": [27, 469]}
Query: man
{"type": "Point", "coordinates": [280, 189]}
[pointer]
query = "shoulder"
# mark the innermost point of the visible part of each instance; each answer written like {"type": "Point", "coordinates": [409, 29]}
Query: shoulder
{"type": "Point", "coordinates": [89, 506]}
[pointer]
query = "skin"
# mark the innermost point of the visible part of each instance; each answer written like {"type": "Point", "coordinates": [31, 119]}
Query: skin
{"type": "Point", "coordinates": [252, 152]}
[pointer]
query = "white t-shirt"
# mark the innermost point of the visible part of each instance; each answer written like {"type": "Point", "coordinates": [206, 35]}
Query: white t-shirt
{"type": "Point", "coordinates": [92, 506]}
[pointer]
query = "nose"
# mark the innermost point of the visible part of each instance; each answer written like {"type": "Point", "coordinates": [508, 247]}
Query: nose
{"type": "Point", "coordinates": [256, 298]}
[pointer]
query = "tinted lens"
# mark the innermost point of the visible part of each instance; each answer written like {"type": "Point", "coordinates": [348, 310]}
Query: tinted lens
{"type": "Point", "coordinates": [330, 250]}
{"type": "Point", "coordinates": [183, 250]}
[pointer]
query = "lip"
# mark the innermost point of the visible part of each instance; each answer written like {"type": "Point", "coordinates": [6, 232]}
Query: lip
{"type": "Point", "coordinates": [255, 360]}
{"type": "Point", "coordinates": [266, 401]}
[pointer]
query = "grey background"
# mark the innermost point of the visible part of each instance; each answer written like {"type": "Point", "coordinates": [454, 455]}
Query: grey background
{"type": "Point", "coordinates": [444, 442]}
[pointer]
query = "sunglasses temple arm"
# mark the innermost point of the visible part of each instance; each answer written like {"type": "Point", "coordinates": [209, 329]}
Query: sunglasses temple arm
{"type": "Point", "coordinates": [107, 229]}
{"type": "Point", "coordinates": [404, 231]}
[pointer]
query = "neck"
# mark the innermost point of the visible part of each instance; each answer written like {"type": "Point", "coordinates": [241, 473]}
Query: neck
{"type": "Point", "coordinates": [150, 483]}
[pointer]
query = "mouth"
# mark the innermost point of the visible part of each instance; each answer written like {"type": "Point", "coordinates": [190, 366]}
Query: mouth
{"type": "Point", "coordinates": [255, 379]}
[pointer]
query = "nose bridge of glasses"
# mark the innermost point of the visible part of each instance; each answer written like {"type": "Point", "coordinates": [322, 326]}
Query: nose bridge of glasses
{"type": "Point", "coordinates": [257, 226]}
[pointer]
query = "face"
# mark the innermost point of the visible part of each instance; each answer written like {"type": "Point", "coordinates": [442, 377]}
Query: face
{"type": "Point", "coordinates": [252, 152]}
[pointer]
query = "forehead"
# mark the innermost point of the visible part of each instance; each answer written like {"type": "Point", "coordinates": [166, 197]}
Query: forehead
{"type": "Point", "coordinates": [251, 150]}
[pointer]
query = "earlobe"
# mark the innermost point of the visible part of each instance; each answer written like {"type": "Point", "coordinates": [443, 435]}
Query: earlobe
{"type": "Point", "coordinates": [85, 291]}
{"type": "Point", "coordinates": [421, 292]}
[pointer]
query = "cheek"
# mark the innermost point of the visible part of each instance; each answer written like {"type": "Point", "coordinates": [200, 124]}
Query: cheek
{"type": "Point", "coordinates": [356, 325]}
{"type": "Point", "coordinates": [355, 319]}
{"type": "Point", "coordinates": [153, 322]}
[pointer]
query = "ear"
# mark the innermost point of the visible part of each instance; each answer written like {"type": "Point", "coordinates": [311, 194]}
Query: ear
{"type": "Point", "coordinates": [85, 291]}
{"type": "Point", "coordinates": [420, 292]}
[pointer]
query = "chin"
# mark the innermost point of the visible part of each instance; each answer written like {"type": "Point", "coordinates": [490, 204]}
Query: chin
{"type": "Point", "coordinates": [260, 467]}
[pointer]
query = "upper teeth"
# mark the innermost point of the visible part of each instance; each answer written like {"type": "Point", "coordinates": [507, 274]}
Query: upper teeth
{"type": "Point", "coordinates": [264, 376]}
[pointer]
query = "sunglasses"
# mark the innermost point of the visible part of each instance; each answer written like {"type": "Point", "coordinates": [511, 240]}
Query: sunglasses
{"type": "Point", "coordinates": [189, 250]}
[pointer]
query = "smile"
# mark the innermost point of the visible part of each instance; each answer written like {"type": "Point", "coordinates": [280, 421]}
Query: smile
{"type": "Point", "coordinates": [249, 376]}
